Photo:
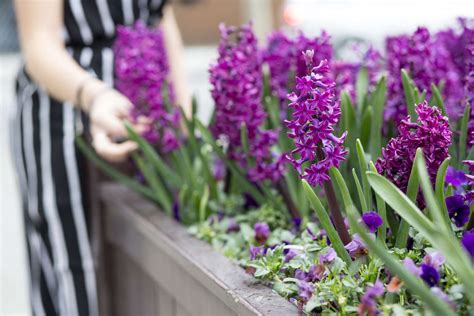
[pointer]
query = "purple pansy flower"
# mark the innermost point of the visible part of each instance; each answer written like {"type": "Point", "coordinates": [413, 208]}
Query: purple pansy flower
{"type": "Point", "coordinates": [411, 266]}
{"type": "Point", "coordinates": [429, 274]}
{"type": "Point", "coordinates": [300, 274]}
{"type": "Point", "coordinates": [232, 225]}
{"type": "Point", "coordinates": [261, 232]}
{"type": "Point", "coordinates": [255, 251]}
{"type": "Point", "coordinates": [290, 255]}
{"type": "Point", "coordinates": [458, 210]}
{"type": "Point", "coordinates": [434, 259]}
{"type": "Point", "coordinates": [467, 242]}
{"type": "Point", "coordinates": [368, 303]}
{"type": "Point", "coordinates": [372, 220]}
{"type": "Point", "coordinates": [356, 247]}
{"type": "Point", "coordinates": [328, 257]}
{"type": "Point", "coordinates": [305, 291]}
{"type": "Point", "coordinates": [316, 273]}
{"type": "Point", "coordinates": [455, 177]}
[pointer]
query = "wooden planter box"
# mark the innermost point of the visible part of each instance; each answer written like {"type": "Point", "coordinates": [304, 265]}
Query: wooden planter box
{"type": "Point", "coordinates": [153, 266]}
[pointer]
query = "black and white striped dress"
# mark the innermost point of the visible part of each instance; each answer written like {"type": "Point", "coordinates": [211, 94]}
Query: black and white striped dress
{"type": "Point", "coordinates": [51, 169]}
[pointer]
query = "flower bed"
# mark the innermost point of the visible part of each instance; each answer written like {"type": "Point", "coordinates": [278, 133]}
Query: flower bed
{"type": "Point", "coordinates": [352, 194]}
{"type": "Point", "coordinates": [155, 267]}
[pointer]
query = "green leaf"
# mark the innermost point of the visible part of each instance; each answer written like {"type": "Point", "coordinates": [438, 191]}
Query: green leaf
{"type": "Point", "coordinates": [112, 172]}
{"type": "Point", "coordinates": [412, 193]}
{"type": "Point", "coordinates": [437, 99]}
{"type": "Point", "coordinates": [400, 203]}
{"type": "Point", "coordinates": [362, 86]}
{"type": "Point", "coordinates": [203, 204]}
{"type": "Point", "coordinates": [435, 211]}
{"type": "Point", "coordinates": [155, 183]}
{"type": "Point", "coordinates": [363, 169]}
{"type": "Point", "coordinates": [378, 103]}
{"type": "Point", "coordinates": [415, 285]}
{"type": "Point", "coordinates": [348, 120]}
{"type": "Point", "coordinates": [363, 203]}
{"type": "Point", "coordinates": [151, 155]}
{"type": "Point", "coordinates": [382, 210]}
{"type": "Point", "coordinates": [244, 184]}
{"type": "Point", "coordinates": [338, 180]}
{"type": "Point", "coordinates": [409, 95]}
{"type": "Point", "coordinates": [325, 221]}
{"type": "Point", "coordinates": [366, 125]}
{"type": "Point", "coordinates": [439, 189]}
{"type": "Point", "coordinates": [464, 130]}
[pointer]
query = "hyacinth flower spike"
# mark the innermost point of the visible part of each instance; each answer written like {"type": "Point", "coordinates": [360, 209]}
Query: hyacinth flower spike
{"type": "Point", "coordinates": [315, 115]}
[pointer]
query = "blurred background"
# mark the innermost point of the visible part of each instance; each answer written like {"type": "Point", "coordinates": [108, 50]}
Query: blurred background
{"type": "Point", "coordinates": [345, 20]}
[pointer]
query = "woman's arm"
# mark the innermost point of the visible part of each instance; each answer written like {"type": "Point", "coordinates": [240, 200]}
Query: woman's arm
{"type": "Point", "coordinates": [40, 24]}
{"type": "Point", "coordinates": [174, 51]}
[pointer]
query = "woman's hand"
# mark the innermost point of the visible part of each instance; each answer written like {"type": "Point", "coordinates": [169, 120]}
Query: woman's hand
{"type": "Point", "coordinates": [107, 112]}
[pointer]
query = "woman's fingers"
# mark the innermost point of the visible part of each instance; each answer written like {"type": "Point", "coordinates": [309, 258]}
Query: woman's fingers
{"type": "Point", "coordinates": [113, 152]}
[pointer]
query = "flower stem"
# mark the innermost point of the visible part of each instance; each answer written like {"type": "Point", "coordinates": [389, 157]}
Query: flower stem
{"type": "Point", "coordinates": [334, 208]}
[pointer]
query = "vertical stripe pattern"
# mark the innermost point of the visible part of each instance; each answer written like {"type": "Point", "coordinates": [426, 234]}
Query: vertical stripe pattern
{"type": "Point", "coordinates": [62, 270]}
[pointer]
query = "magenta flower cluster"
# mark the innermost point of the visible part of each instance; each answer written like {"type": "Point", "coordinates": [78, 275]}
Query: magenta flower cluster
{"type": "Point", "coordinates": [141, 68]}
{"type": "Point", "coordinates": [431, 133]}
{"type": "Point", "coordinates": [315, 115]}
{"type": "Point", "coordinates": [283, 56]}
{"type": "Point", "coordinates": [237, 83]}
{"type": "Point", "coordinates": [426, 61]}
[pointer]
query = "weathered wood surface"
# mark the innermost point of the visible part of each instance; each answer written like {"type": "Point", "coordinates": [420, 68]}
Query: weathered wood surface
{"type": "Point", "coordinates": [155, 267]}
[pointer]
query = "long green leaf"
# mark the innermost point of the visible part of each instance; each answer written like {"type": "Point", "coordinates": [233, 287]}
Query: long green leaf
{"type": "Point", "coordinates": [363, 169]}
{"type": "Point", "coordinates": [360, 193]}
{"type": "Point", "coordinates": [409, 95]}
{"type": "Point", "coordinates": [244, 184]}
{"type": "Point", "coordinates": [415, 285]}
{"type": "Point", "coordinates": [155, 183]}
{"type": "Point", "coordinates": [325, 221]}
{"type": "Point", "coordinates": [439, 189]}
{"type": "Point", "coordinates": [366, 125]}
{"type": "Point", "coordinates": [112, 172]}
{"type": "Point", "coordinates": [400, 203]}
{"type": "Point", "coordinates": [412, 193]}
{"type": "Point", "coordinates": [382, 210]}
{"type": "Point", "coordinates": [151, 155]}
{"type": "Point", "coordinates": [378, 103]}
{"type": "Point", "coordinates": [463, 136]}
{"type": "Point", "coordinates": [362, 86]}
{"type": "Point", "coordinates": [437, 99]}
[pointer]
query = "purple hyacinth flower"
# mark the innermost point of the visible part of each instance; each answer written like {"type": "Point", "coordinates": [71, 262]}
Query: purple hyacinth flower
{"type": "Point", "coordinates": [455, 177]}
{"type": "Point", "coordinates": [429, 274]}
{"type": "Point", "coordinates": [261, 232]}
{"type": "Point", "coordinates": [431, 133]}
{"type": "Point", "coordinates": [316, 112]}
{"type": "Point", "coordinates": [356, 247]}
{"type": "Point", "coordinates": [372, 220]}
{"type": "Point", "coordinates": [142, 75]}
{"type": "Point", "coordinates": [457, 209]}
{"type": "Point", "coordinates": [237, 88]}
{"type": "Point", "coordinates": [368, 303]}
{"type": "Point", "coordinates": [328, 257]}
{"type": "Point", "coordinates": [411, 267]}
{"type": "Point", "coordinates": [305, 291]}
{"type": "Point", "coordinates": [467, 242]}
{"type": "Point", "coordinates": [290, 255]}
